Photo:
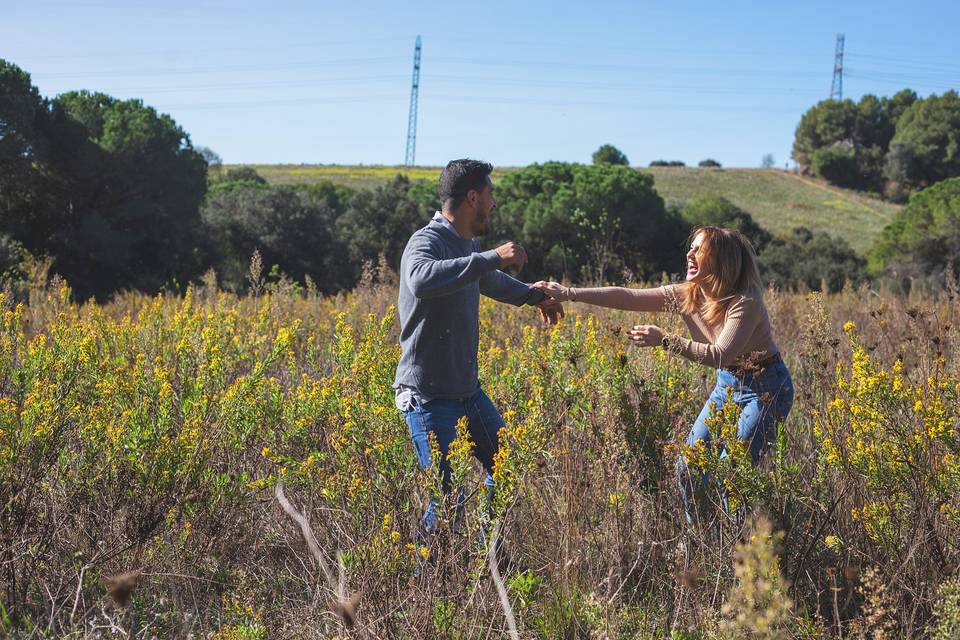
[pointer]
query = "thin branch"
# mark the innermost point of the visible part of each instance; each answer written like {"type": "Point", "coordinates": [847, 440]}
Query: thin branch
{"type": "Point", "coordinates": [498, 581]}
{"type": "Point", "coordinates": [308, 536]}
{"type": "Point", "coordinates": [345, 607]}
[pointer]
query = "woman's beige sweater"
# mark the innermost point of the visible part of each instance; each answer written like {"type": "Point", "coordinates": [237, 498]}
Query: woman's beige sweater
{"type": "Point", "coordinates": [744, 335]}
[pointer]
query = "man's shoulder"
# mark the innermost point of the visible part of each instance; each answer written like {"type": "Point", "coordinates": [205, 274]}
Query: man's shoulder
{"type": "Point", "coordinates": [431, 234]}
{"type": "Point", "coordinates": [431, 229]}
{"type": "Point", "coordinates": [426, 233]}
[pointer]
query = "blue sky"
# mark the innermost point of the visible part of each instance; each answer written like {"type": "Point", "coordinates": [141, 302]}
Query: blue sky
{"type": "Point", "coordinates": [508, 82]}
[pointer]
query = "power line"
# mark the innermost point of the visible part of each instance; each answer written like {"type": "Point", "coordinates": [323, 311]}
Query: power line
{"type": "Point", "coordinates": [567, 46]}
{"type": "Point", "coordinates": [632, 86]}
{"type": "Point", "coordinates": [472, 81]}
{"type": "Point", "coordinates": [241, 86]}
{"type": "Point", "coordinates": [902, 82]}
{"type": "Point", "coordinates": [480, 99]}
{"type": "Point", "coordinates": [911, 76]}
{"type": "Point", "coordinates": [247, 48]}
{"type": "Point", "coordinates": [241, 104]}
{"type": "Point", "coordinates": [908, 62]}
{"type": "Point", "coordinates": [203, 70]}
{"type": "Point", "coordinates": [713, 71]}
{"type": "Point", "coordinates": [534, 64]}
{"type": "Point", "coordinates": [616, 105]}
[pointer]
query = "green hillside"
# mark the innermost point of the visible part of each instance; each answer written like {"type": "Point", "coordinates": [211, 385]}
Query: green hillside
{"type": "Point", "coordinates": [781, 201]}
{"type": "Point", "coordinates": [778, 200]}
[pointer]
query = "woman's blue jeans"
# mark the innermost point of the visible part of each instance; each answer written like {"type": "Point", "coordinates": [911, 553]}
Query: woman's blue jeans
{"type": "Point", "coordinates": [440, 417]}
{"type": "Point", "coordinates": [764, 399]}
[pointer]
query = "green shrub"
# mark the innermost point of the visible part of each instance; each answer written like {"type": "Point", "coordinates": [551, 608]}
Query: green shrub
{"type": "Point", "coordinates": [668, 163]}
{"type": "Point", "coordinates": [811, 260]}
{"type": "Point", "coordinates": [289, 228]}
{"type": "Point", "coordinates": [609, 154]}
{"type": "Point", "coordinates": [924, 237]}
{"type": "Point", "coordinates": [946, 611]}
{"type": "Point", "coordinates": [379, 222]}
{"type": "Point", "coordinates": [588, 221]}
{"type": "Point", "coordinates": [838, 165]}
{"type": "Point", "coordinates": [930, 129]}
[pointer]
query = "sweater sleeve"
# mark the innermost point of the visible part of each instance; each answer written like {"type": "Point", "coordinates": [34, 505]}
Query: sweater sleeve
{"type": "Point", "coordinates": [428, 276]}
{"type": "Point", "coordinates": [738, 327]}
{"type": "Point", "coordinates": [504, 288]}
{"type": "Point", "coordinates": [653, 299]}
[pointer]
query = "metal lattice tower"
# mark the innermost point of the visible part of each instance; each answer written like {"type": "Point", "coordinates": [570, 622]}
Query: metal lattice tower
{"type": "Point", "coordinates": [836, 89]}
{"type": "Point", "coordinates": [412, 120]}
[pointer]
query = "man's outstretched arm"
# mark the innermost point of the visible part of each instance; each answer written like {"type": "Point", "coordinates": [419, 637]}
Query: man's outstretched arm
{"type": "Point", "coordinates": [429, 276]}
{"type": "Point", "coordinates": [504, 288]}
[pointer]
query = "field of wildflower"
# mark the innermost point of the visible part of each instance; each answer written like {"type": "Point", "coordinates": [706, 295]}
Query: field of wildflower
{"type": "Point", "coordinates": [142, 444]}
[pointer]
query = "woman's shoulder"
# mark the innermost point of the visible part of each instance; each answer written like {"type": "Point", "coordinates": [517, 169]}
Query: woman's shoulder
{"type": "Point", "coordinates": [750, 296]}
{"type": "Point", "coordinates": [747, 303]}
{"type": "Point", "coordinates": [672, 295]}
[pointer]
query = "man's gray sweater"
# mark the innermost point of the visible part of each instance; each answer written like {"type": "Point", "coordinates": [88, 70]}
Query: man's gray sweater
{"type": "Point", "coordinates": [441, 279]}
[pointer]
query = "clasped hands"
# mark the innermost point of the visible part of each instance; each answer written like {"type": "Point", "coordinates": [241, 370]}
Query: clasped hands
{"type": "Point", "coordinates": [512, 254]}
{"type": "Point", "coordinates": [643, 335]}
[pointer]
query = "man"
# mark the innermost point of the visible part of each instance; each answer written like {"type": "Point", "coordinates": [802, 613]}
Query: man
{"type": "Point", "coordinates": [442, 274]}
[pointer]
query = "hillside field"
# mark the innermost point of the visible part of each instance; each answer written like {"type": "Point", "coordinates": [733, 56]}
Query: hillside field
{"type": "Point", "coordinates": [778, 200]}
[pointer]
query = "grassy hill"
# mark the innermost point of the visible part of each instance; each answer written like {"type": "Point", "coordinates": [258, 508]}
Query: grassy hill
{"type": "Point", "coordinates": [781, 201]}
{"type": "Point", "coordinates": [778, 200]}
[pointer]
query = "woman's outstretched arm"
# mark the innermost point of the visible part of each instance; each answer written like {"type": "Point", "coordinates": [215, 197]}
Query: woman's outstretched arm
{"type": "Point", "coordinates": [652, 299]}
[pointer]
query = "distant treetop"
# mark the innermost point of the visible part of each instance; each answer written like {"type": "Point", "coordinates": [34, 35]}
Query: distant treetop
{"type": "Point", "coordinates": [668, 163]}
{"type": "Point", "coordinates": [609, 154]}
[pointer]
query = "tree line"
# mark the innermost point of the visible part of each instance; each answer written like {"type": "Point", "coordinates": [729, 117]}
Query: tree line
{"type": "Point", "coordinates": [903, 148]}
{"type": "Point", "coordinates": [118, 198]}
{"type": "Point", "coordinates": [892, 146]}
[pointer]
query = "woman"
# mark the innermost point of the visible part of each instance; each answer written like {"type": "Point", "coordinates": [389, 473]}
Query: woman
{"type": "Point", "coordinates": [721, 302]}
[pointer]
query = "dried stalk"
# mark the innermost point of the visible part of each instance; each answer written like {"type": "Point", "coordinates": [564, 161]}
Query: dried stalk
{"type": "Point", "coordinates": [344, 606]}
{"type": "Point", "coordinates": [498, 581]}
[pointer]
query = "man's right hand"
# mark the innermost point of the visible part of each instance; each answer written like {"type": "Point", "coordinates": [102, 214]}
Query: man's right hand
{"type": "Point", "coordinates": [512, 254]}
{"type": "Point", "coordinates": [553, 290]}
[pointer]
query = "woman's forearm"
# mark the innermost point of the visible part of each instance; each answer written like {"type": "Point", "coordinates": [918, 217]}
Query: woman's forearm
{"type": "Point", "coordinates": [621, 297]}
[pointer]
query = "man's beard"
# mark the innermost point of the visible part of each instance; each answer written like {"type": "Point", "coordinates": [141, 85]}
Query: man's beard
{"type": "Point", "coordinates": [481, 226]}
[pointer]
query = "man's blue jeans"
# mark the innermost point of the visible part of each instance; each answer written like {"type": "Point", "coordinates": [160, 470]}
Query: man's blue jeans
{"type": "Point", "coordinates": [764, 399]}
{"type": "Point", "coordinates": [440, 417]}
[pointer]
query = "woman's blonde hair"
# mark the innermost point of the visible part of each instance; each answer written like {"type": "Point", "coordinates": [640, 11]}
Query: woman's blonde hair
{"type": "Point", "coordinates": [730, 263]}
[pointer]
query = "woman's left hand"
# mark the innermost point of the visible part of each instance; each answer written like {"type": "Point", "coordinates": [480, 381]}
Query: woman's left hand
{"type": "Point", "coordinates": [553, 290]}
{"type": "Point", "coordinates": [646, 335]}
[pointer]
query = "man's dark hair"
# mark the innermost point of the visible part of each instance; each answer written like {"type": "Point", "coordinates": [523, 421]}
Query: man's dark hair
{"type": "Point", "coordinates": [459, 177]}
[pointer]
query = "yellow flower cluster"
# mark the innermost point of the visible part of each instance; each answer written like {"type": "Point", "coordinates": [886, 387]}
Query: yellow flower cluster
{"type": "Point", "coordinates": [894, 437]}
